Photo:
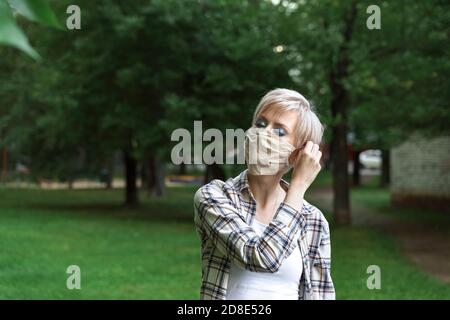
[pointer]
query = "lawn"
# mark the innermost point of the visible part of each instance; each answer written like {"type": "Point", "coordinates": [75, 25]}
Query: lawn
{"type": "Point", "coordinates": [378, 200]}
{"type": "Point", "coordinates": [152, 252]}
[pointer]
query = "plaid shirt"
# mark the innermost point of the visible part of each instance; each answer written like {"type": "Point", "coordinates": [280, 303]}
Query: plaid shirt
{"type": "Point", "coordinates": [223, 214]}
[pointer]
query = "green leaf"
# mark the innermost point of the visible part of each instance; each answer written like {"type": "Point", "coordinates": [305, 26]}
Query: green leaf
{"type": "Point", "coordinates": [11, 34]}
{"type": "Point", "coordinates": [36, 10]}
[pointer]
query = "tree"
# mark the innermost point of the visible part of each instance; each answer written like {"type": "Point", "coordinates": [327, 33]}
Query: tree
{"type": "Point", "coordinates": [139, 71]}
{"type": "Point", "coordinates": [231, 64]}
{"type": "Point", "coordinates": [356, 76]}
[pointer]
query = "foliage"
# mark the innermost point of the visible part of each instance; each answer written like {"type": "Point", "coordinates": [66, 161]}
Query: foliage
{"type": "Point", "coordinates": [34, 10]}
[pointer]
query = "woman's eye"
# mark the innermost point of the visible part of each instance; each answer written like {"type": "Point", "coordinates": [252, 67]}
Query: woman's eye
{"type": "Point", "coordinates": [260, 123]}
{"type": "Point", "coordinates": [279, 132]}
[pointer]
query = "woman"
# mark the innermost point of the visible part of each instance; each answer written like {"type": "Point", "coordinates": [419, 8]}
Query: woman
{"type": "Point", "coordinates": [259, 238]}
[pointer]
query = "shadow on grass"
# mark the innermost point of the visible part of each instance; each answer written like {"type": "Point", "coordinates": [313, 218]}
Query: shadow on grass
{"type": "Point", "coordinates": [176, 205]}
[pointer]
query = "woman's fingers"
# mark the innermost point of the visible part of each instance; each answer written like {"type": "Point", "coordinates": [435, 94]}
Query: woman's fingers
{"type": "Point", "coordinates": [318, 156]}
{"type": "Point", "coordinates": [308, 147]}
{"type": "Point", "coordinates": [313, 150]}
{"type": "Point", "coordinates": [307, 165]}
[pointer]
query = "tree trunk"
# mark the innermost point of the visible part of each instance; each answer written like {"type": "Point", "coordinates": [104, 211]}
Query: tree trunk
{"type": "Point", "coordinates": [339, 102]}
{"type": "Point", "coordinates": [144, 174]}
{"type": "Point", "coordinates": [131, 193]}
{"type": "Point", "coordinates": [356, 169]}
{"type": "Point", "coordinates": [110, 168]}
{"type": "Point", "coordinates": [326, 157]}
{"type": "Point", "coordinates": [385, 178]}
{"type": "Point", "coordinates": [155, 174]}
{"type": "Point", "coordinates": [182, 169]}
{"type": "Point", "coordinates": [214, 171]}
{"type": "Point", "coordinates": [341, 204]}
{"type": "Point", "coordinates": [4, 163]}
{"type": "Point", "coordinates": [159, 181]}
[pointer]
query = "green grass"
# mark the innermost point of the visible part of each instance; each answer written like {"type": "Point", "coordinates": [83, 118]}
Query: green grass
{"type": "Point", "coordinates": [122, 253]}
{"type": "Point", "coordinates": [152, 252]}
{"type": "Point", "coordinates": [378, 200]}
{"type": "Point", "coordinates": [354, 249]}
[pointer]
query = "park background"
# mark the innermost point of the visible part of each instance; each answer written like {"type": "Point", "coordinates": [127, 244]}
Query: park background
{"type": "Point", "coordinates": [86, 117]}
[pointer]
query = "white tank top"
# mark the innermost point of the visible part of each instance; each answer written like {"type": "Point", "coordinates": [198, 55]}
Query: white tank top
{"type": "Point", "coordinates": [281, 285]}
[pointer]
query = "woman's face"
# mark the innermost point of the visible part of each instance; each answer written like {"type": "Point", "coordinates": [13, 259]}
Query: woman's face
{"type": "Point", "coordinates": [282, 124]}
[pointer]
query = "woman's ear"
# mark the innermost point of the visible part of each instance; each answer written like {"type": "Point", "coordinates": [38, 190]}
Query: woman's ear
{"type": "Point", "coordinates": [293, 156]}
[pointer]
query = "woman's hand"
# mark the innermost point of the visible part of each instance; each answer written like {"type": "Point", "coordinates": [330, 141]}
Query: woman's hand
{"type": "Point", "coordinates": [306, 164]}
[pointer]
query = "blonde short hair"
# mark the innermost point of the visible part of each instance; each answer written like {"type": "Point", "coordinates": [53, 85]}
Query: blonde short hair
{"type": "Point", "coordinates": [309, 126]}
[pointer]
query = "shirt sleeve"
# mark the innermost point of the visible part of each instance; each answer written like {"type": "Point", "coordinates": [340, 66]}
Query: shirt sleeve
{"type": "Point", "coordinates": [218, 217]}
{"type": "Point", "coordinates": [321, 281]}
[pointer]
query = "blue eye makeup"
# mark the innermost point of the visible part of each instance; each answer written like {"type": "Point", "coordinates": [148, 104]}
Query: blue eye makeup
{"type": "Point", "coordinates": [280, 132]}
{"type": "Point", "coordinates": [261, 123]}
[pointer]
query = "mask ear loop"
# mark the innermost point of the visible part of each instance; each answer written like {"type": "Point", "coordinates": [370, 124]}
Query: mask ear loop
{"type": "Point", "coordinates": [296, 152]}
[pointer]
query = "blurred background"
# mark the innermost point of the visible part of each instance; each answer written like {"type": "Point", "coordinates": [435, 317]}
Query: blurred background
{"type": "Point", "coordinates": [90, 92]}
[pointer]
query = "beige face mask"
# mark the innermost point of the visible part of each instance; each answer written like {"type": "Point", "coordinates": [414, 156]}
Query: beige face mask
{"type": "Point", "coordinates": [266, 153]}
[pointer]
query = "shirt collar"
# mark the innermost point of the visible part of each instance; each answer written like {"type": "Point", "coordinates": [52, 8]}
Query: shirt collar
{"type": "Point", "coordinates": [241, 184]}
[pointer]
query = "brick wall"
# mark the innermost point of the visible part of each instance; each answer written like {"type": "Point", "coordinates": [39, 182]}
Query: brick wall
{"type": "Point", "coordinates": [420, 172]}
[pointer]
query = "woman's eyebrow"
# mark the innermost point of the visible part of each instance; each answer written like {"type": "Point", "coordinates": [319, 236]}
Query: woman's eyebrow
{"type": "Point", "coordinates": [279, 124]}
{"type": "Point", "coordinates": [282, 125]}
{"type": "Point", "coordinates": [262, 118]}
